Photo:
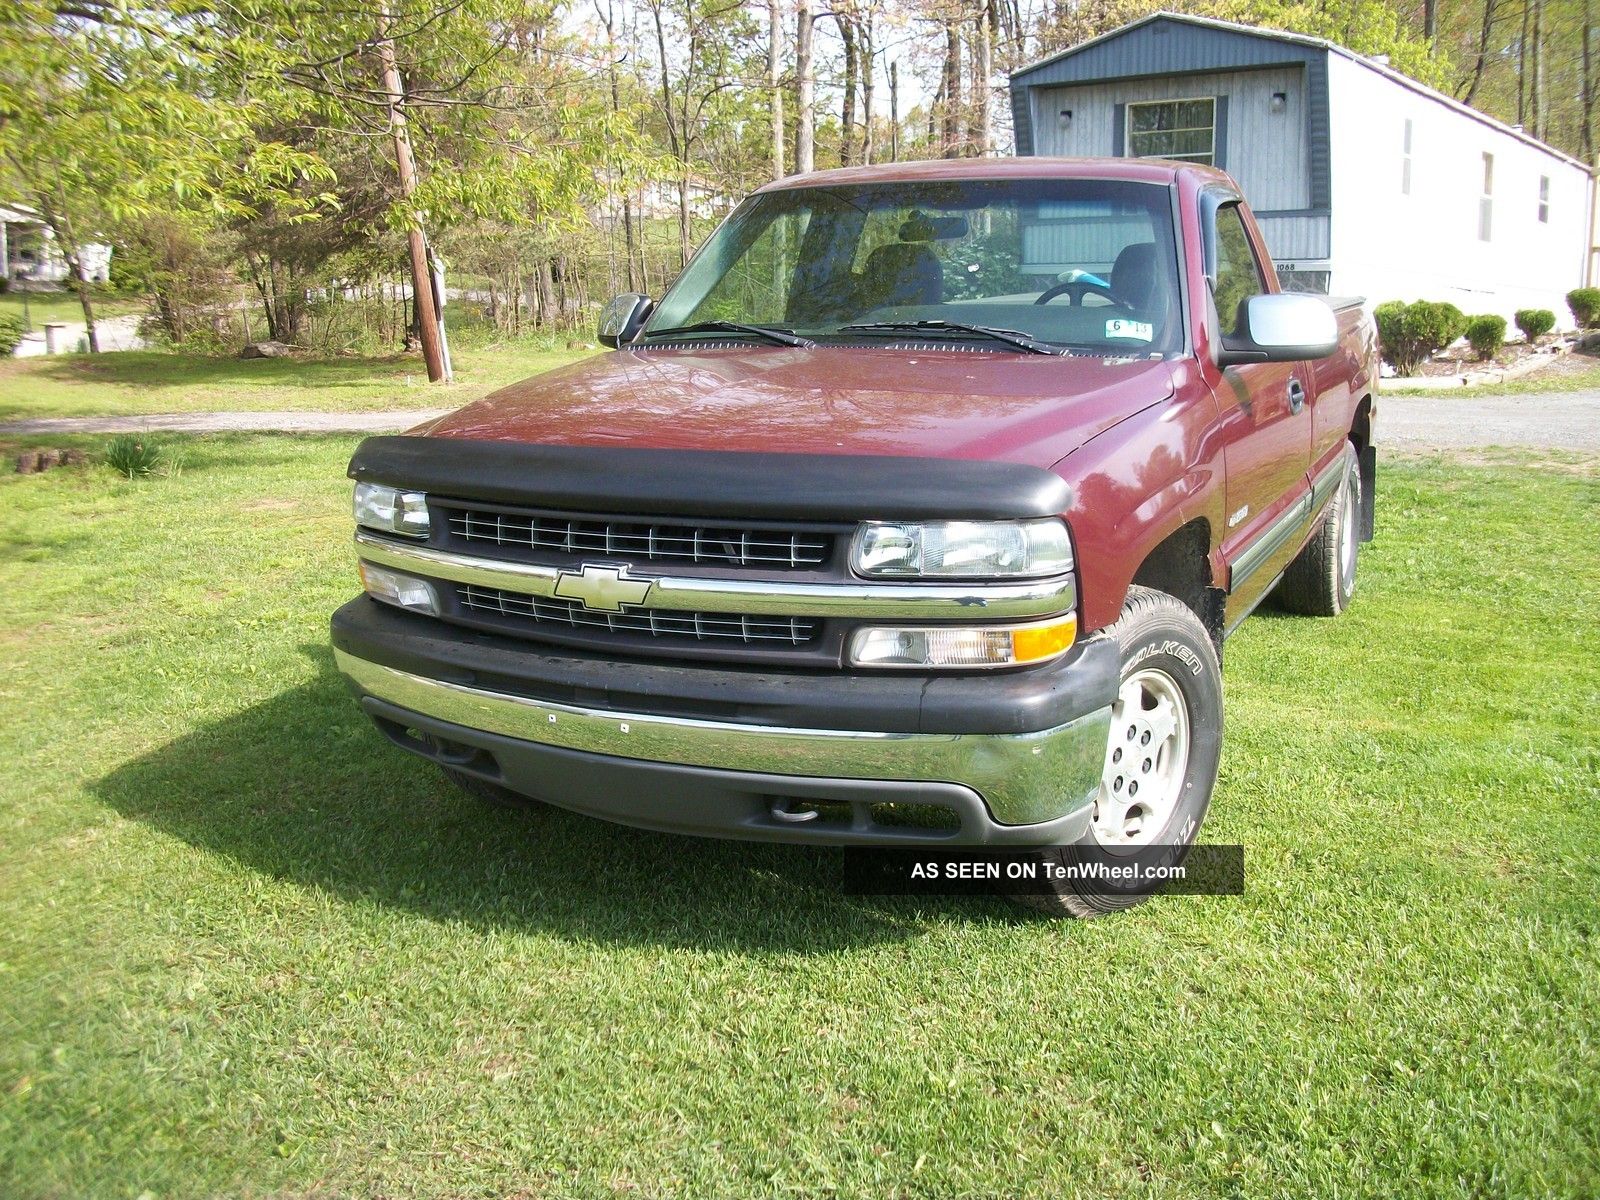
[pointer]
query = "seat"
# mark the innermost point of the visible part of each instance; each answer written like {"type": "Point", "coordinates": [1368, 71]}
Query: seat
{"type": "Point", "coordinates": [903, 273]}
{"type": "Point", "coordinates": [1134, 283]}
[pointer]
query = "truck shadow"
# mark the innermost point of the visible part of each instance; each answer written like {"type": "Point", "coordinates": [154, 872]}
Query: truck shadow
{"type": "Point", "coordinates": [302, 788]}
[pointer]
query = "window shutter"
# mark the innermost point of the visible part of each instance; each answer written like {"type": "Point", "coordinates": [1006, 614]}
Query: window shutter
{"type": "Point", "coordinates": [1119, 131]}
{"type": "Point", "coordinates": [1219, 154]}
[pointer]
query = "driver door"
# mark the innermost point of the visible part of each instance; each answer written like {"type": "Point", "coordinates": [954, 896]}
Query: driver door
{"type": "Point", "coordinates": [1265, 425]}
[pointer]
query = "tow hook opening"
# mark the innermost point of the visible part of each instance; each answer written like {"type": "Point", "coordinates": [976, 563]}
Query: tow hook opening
{"type": "Point", "coordinates": [864, 816]}
{"type": "Point", "coordinates": [441, 750]}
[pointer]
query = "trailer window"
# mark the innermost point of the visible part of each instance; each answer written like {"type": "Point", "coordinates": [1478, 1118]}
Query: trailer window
{"type": "Point", "coordinates": [1182, 129]}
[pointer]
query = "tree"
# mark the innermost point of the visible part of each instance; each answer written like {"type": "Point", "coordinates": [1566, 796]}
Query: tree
{"type": "Point", "coordinates": [805, 82]}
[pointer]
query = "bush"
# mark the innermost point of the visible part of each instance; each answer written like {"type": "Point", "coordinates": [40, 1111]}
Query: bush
{"type": "Point", "coordinates": [1535, 322]}
{"type": "Point", "coordinates": [1585, 306]}
{"type": "Point", "coordinates": [11, 331]}
{"type": "Point", "coordinates": [1486, 334]}
{"type": "Point", "coordinates": [132, 455]}
{"type": "Point", "coordinates": [1412, 333]}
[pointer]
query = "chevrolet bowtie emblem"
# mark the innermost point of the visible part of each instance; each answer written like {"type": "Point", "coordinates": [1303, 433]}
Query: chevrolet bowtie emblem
{"type": "Point", "coordinates": [602, 589]}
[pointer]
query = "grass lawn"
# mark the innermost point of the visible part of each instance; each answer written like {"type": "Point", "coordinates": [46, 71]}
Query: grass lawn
{"type": "Point", "coordinates": [63, 306]}
{"type": "Point", "coordinates": [251, 950]}
{"type": "Point", "coordinates": [138, 382]}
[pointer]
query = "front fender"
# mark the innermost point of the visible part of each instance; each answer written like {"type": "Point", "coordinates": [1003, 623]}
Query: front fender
{"type": "Point", "coordinates": [1137, 483]}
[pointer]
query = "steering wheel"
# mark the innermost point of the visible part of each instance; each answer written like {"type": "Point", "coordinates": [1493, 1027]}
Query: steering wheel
{"type": "Point", "coordinates": [1076, 290]}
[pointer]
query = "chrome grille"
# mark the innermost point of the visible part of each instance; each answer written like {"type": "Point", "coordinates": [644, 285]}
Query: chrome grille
{"type": "Point", "coordinates": [735, 627]}
{"type": "Point", "coordinates": [744, 546]}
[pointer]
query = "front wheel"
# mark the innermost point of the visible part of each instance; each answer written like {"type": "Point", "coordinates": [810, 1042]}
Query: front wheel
{"type": "Point", "coordinates": [1161, 758]}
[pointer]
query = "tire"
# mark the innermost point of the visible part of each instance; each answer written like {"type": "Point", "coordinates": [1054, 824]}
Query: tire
{"type": "Point", "coordinates": [1170, 659]}
{"type": "Point", "coordinates": [1322, 578]}
{"type": "Point", "coordinates": [489, 793]}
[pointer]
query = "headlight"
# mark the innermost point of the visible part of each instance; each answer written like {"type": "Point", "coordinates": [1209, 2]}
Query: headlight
{"type": "Point", "coordinates": [390, 510]}
{"type": "Point", "coordinates": [402, 591]}
{"type": "Point", "coordinates": [944, 549]}
{"type": "Point", "coordinates": [963, 646]}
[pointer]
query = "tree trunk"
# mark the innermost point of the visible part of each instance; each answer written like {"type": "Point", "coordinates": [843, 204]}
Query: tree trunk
{"type": "Point", "coordinates": [1430, 22]}
{"type": "Point", "coordinates": [685, 240]}
{"type": "Point", "coordinates": [775, 81]}
{"type": "Point", "coordinates": [805, 152]}
{"type": "Point", "coordinates": [1522, 63]}
{"type": "Point", "coordinates": [635, 282]}
{"type": "Point", "coordinates": [868, 68]}
{"type": "Point", "coordinates": [847, 112]}
{"type": "Point", "coordinates": [952, 92]}
{"type": "Point", "coordinates": [982, 70]}
{"type": "Point", "coordinates": [1586, 87]}
{"type": "Point", "coordinates": [66, 239]}
{"type": "Point", "coordinates": [1485, 33]}
{"type": "Point", "coordinates": [1541, 97]}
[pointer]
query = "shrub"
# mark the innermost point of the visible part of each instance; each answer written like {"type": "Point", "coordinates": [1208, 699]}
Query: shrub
{"type": "Point", "coordinates": [1453, 322]}
{"type": "Point", "coordinates": [1411, 333]}
{"type": "Point", "coordinates": [132, 455]}
{"type": "Point", "coordinates": [1535, 322]}
{"type": "Point", "coordinates": [1585, 306]}
{"type": "Point", "coordinates": [1486, 334]}
{"type": "Point", "coordinates": [11, 331]}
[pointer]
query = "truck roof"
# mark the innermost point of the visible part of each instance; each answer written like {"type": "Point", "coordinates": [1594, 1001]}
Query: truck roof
{"type": "Point", "coordinates": [1139, 170]}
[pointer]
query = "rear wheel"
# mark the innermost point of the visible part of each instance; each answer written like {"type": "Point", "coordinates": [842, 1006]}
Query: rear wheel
{"type": "Point", "coordinates": [1161, 757]}
{"type": "Point", "coordinates": [1322, 578]}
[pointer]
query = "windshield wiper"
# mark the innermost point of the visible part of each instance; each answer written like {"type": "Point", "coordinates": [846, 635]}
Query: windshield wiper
{"type": "Point", "coordinates": [780, 337]}
{"type": "Point", "coordinates": [1011, 337]}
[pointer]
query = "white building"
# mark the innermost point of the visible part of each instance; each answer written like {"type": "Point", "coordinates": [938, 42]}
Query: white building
{"type": "Point", "coordinates": [28, 250]}
{"type": "Point", "coordinates": [1365, 182]}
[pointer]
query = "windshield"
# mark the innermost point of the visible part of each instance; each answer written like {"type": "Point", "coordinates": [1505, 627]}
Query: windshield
{"type": "Point", "coordinates": [1081, 263]}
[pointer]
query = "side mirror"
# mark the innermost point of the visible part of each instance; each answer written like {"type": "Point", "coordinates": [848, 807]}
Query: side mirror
{"type": "Point", "coordinates": [621, 320]}
{"type": "Point", "coordinates": [1281, 328]}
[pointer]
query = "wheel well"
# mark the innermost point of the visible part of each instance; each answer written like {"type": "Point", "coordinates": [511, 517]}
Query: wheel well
{"type": "Point", "coordinates": [1361, 438]}
{"type": "Point", "coordinates": [1181, 567]}
{"type": "Point", "coordinates": [1361, 427]}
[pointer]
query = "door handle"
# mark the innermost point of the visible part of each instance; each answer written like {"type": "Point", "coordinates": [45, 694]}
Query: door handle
{"type": "Point", "coordinates": [1297, 395]}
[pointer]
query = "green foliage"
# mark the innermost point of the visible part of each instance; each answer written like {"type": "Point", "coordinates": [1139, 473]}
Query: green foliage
{"type": "Point", "coordinates": [1410, 334]}
{"type": "Point", "coordinates": [1486, 334]}
{"type": "Point", "coordinates": [1585, 306]}
{"type": "Point", "coordinates": [12, 328]}
{"type": "Point", "coordinates": [132, 455]}
{"type": "Point", "coordinates": [1535, 322]}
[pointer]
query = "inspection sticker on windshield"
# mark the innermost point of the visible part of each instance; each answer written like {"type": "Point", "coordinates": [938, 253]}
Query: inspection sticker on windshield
{"type": "Point", "coordinates": [1119, 327]}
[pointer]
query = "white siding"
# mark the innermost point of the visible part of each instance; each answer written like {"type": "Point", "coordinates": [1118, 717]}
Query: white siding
{"type": "Point", "coordinates": [1425, 245]}
{"type": "Point", "coordinates": [1266, 150]}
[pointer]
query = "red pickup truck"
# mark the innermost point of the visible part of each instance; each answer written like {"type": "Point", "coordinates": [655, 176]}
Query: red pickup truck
{"type": "Point", "coordinates": [914, 514]}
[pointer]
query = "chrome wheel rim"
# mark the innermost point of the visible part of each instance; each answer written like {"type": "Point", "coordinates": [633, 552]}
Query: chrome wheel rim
{"type": "Point", "coordinates": [1147, 760]}
{"type": "Point", "coordinates": [1350, 534]}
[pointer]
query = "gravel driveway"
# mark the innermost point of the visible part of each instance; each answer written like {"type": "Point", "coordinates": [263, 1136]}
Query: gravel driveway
{"type": "Point", "coordinates": [1543, 421]}
{"type": "Point", "coordinates": [1546, 421]}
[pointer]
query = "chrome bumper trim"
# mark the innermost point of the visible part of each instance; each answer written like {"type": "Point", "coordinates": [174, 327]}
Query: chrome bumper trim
{"type": "Point", "coordinates": [1024, 778]}
{"type": "Point", "coordinates": [895, 601]}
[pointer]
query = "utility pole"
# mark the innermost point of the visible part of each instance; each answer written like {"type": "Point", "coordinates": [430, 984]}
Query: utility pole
{"type": "Point", "coordinates": [894, 110]}
{"type": "Point", "coordinates": [421, 275]}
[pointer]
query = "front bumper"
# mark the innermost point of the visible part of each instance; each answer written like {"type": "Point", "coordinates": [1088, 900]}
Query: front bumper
{"type": "Point", "coordinates": [1015, 758]}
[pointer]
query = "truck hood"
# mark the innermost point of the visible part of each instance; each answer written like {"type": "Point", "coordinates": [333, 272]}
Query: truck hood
{"type": "Point", "coordinates": [943, 403]}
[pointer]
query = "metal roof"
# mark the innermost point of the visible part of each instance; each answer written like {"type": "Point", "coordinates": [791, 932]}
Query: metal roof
{"type": "Point", "coordinates": [1224, 45]}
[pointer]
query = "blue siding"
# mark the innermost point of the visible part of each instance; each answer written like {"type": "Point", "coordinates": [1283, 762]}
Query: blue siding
{"type": "Point", "coordinates": [1163, 46]}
